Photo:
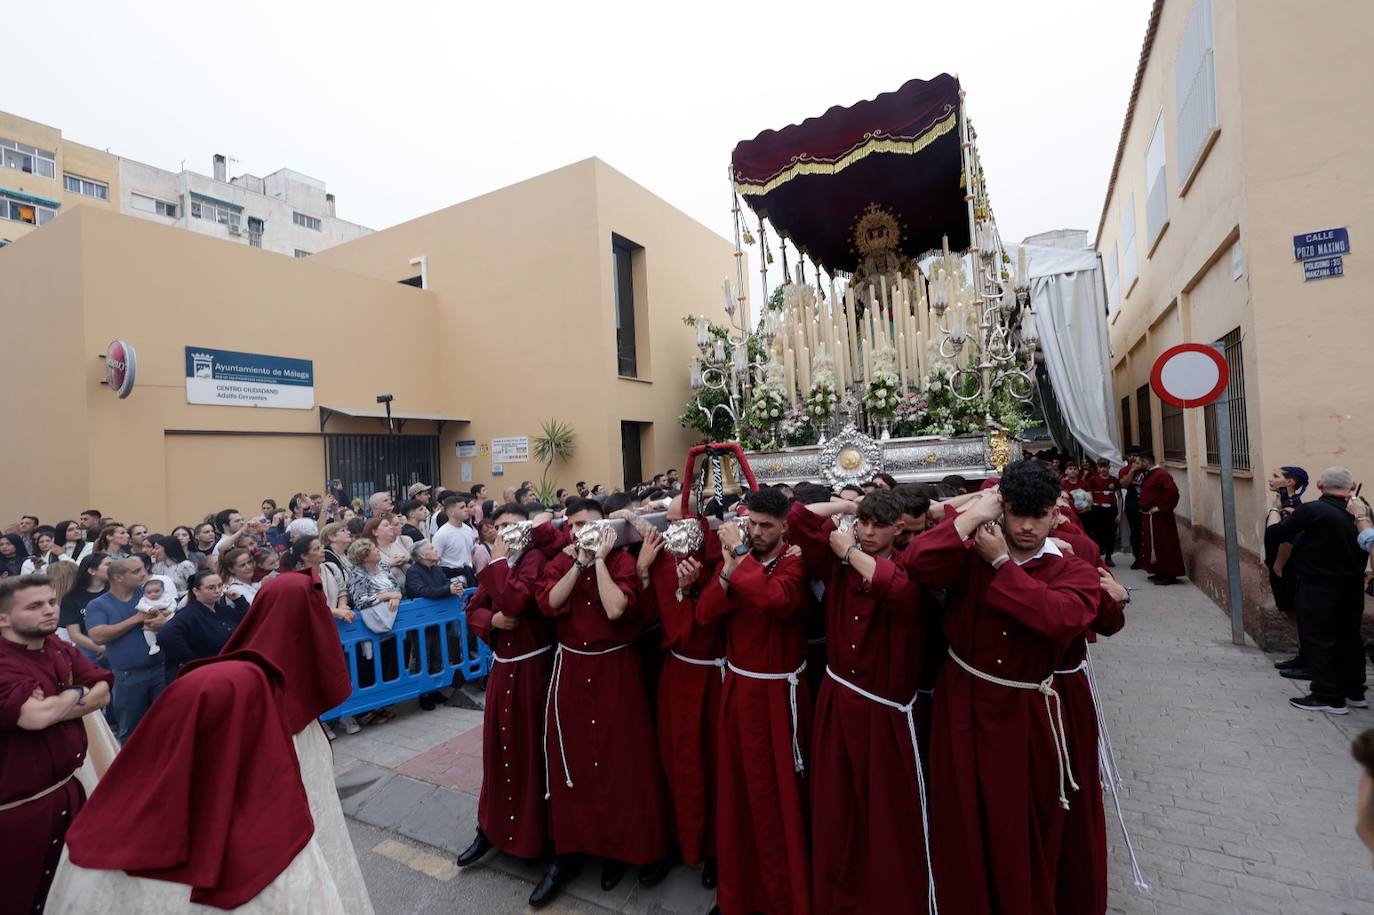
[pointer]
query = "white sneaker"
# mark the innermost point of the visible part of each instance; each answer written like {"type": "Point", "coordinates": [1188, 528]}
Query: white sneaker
{"type": "Point", "coordinates": [351, 726]}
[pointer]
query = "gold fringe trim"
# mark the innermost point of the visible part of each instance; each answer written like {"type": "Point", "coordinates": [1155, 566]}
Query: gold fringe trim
{"type": "Point", "coordinates": [901, 145]}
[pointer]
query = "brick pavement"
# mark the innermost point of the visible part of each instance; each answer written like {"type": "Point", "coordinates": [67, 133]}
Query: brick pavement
{"type": "Point", "coordinates": [1236, 802]}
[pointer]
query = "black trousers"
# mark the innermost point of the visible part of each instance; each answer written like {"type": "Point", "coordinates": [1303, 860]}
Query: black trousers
{"type": "Point", "coordinates": [1133, 517]}
{"type": "Point", "coordinates": [1329, 612]}
{"type": "Point", "coordinates": [1101, 523]}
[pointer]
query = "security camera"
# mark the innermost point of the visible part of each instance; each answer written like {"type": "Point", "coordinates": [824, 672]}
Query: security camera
{"type": "Point", "coordinates": [384, 398]}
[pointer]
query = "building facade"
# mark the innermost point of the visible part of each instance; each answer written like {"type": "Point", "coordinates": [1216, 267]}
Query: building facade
{"type": "Point", "coordinates": [285, 212]}
{"type": "Point", "coordinates": [560, 297]}
{"type": "Point", "coordinates": [1225, 158]}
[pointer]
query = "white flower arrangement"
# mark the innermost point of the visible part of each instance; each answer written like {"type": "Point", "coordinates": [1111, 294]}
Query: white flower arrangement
{"type": "Point", "coordinates": [884, 391]}
{"type": "Point", "coordinates": [820, 400]}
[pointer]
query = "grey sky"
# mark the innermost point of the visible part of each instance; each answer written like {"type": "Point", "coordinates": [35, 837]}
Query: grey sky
{"type": "Point", "coordinates": [406, 107]}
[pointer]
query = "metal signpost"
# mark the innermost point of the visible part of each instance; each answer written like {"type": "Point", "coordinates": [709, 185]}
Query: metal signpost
{"type": "Point", "coordinates": [1194, 375]}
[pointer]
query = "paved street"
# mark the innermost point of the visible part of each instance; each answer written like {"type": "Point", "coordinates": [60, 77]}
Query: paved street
{"type": "Point", "coordinates": [1236, 802]}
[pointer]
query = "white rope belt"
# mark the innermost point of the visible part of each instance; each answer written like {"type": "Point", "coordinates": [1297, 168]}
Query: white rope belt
{"type": "Point", "coordinates": [42, 794]}
{"type": "Point", "coordinates": [920, 776]}
{"type": "Point", "coordinates": [1054, 712]}
{"type": "Point", "coordinates": [792, 680]}
{"type": "Point", "coordinates": [1106, 766]}
{"type": "Point", "coordinates": [523, 657]}
{"type": "Point", "coordinates": [552, 698]}
{"type": "Point", "coordinates": [718, 663]}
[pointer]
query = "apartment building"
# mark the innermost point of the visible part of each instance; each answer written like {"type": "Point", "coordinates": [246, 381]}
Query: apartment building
{"type": "Point", "coordinates": [1237, 209]}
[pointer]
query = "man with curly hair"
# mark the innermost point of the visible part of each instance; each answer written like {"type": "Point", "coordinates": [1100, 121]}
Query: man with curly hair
{"type": "Point", "coordinates": [1001, 779]}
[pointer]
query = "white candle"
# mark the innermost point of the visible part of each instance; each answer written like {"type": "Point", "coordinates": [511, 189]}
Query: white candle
{"type": "Point", "coordinates": [790, 376]}
{"type": "Point", "coordinates": [701, 331]}
{"type": "Point", "coordinates": [921, 358]}
{"type": "Point", "coordinates": [805, 366]}
{"type": "Point", "coordinates": [1021, 265]}
{"type": "Point", "coordinates": [901, 358]}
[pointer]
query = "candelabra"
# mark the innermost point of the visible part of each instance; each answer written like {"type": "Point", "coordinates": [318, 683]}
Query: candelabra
{"type": "Point", "coordinates": [724, 363]}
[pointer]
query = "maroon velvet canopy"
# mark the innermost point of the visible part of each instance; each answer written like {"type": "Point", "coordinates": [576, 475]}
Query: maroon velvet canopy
{"type": "Point", "coordinates": [900, 151]}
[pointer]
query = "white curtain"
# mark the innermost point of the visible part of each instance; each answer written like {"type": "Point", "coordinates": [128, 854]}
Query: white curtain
{"type": "Point", "coordinates": [1067, 295]}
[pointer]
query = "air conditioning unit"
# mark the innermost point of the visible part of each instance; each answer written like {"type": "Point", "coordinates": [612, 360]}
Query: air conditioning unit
{"type": "Point", "coordinates": [235, 230]}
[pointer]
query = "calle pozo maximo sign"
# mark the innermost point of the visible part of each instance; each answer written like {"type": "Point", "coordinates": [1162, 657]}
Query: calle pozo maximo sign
{"type": "Point", "coordinates": [121, 368]}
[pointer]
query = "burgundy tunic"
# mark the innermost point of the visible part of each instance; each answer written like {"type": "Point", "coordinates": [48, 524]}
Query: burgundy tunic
{"type": "Point", "coordinates": [688, 709]}
{"type": "Point", "coordinates": [868, 851]}
{"type": "Point", "coordinates": [1082, 877]}
{"type": "Point", "coordinates": [31, 834]}
{"type": "Point", "coordinates": [1160, 551]}
{"type": "Point", "coordinates": [995, 781]}
{"type": "Point", "coordinates": [761, 806]}
{"type": "Point", "coordinates": [615, 806]}
{"type": "Point", "coordinates": [511, 810]}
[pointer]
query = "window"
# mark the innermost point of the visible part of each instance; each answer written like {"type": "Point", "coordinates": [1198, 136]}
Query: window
{"type": "Point", "coordinates": [255, 226]}
{"type": "Point", "coordinates": [1195, 92]}
{"type": "Point", "coordinates": [622, 263]}
{"type": "Point", "coordinates": [26, 210]}
{"type": "Point", "coordinates": [1125, 422]}
{"type": "Point", "coordinates": [300, 253]}
{"type": "Point", "coordinates": [145, 204]}
{"type": "Point", "coordinates": [309, 222]}
{"type": "Point", "coordinates": [1129, 264]}
{"type": "Point", "coordinates": [1239, 422]}
{"type": "Point", "coordinates": [1112, 264]}
{"type": "Point", "coordinates": [213, 211]}
{"type": "Point", "coordinates": [1157, 197]}
{"type": "Point", "coordinates": [86, 187]}
{"type": "Point", "coordinates": [1175, 439]}
{"type": "Point", "coordinates": [1144, 418]}
{"type": "Point", "coordinates": [27, 159]}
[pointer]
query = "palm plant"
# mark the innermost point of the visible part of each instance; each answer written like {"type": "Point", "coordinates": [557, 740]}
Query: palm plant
{"type": "Point", "coordinates": [554, 444]}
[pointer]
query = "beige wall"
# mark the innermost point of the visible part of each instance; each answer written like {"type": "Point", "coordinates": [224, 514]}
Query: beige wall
{"type": "Point", "coordinates": [163, 289]}
{"type": "Point", "coordinates": [1286, 160]}
{"type": "Point", "coordinates": [73, 158]}
{"type": "Point", "coordinates": [526, 325]}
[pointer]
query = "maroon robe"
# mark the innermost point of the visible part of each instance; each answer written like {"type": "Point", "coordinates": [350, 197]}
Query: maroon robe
{"type": "Point", "coordinates": [31, 834]}
{"type": "Point", "coordinates": [868, 851]}
{"type": "Point", "coordinates": [1160, 551]}
{"type": "Point", "coordinates": [1082, 885]}
{"type": "Point", "coordinates": [995, 782]}
{"type": "Point", "coordinates": [511, 810]}
{"type": "Point", "coordinates": [688, 709]}
{"type": "Point", "coordinates": [615, 806]}
{"type": "Point", "coordinates": [761, 806]}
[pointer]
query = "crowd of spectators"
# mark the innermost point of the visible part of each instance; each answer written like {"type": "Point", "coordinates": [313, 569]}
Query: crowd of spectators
{"type": "Point", "coordinates": [143, 604]}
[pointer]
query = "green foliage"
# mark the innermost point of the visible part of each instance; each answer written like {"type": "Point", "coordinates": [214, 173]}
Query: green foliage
{"type": "Point", "coordinates": [556, 442]}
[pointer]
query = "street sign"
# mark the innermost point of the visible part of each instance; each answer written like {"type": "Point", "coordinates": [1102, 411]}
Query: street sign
{"type": "Point", "coordinates": [121, 368]}
{"type": "Point", "coordinates": [1189, 375]}
{"type": "Point", "coordinates": [1322, 268]}
{"type": "Point", "coordinates": [1326, 243]}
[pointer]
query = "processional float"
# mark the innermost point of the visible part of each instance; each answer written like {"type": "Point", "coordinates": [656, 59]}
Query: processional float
{"type": "Point", "coordinates": [909, 346]}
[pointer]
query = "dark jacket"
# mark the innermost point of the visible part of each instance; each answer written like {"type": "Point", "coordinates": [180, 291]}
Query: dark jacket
{"type": "Point", "coordinates": [427, 581]}
{"type": "Point", "coordinates": [195, 632]}
{"type": "Point", "coordinates": [1327, 549]}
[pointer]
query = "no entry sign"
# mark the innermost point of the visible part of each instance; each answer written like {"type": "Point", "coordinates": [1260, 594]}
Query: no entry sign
{"type": "Point", "coordinates": [1190, 375]}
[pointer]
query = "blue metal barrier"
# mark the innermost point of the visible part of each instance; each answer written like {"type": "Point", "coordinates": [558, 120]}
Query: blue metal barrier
{"type": "Point", "coordinates": [427, 646]}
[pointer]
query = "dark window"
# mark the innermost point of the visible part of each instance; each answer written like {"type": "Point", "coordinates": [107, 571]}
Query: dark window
{"type": "Point", "coordinates": [631, 444]}
{"type": "Point", "coordinates": [1144, 418]}
{"type": "Point", "coordinates": [1126, 428]}
{"type": "Point", "coordinates": [1171, 424]}
{"type": "Point", "coordinates": [1240, 423]}
{"type": "Point", "coordinates": [373, 463]}
{"type": "Point", "coordinates": [622, 258]}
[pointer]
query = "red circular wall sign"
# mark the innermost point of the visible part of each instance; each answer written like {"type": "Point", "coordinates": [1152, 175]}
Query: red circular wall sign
{"type": "Point", "coordinates": [1190, 375]}
{"type": "Point", "coordinates": [121, 367]}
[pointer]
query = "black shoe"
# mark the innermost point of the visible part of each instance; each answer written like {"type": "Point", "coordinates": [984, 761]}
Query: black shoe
{"type": "Point", "coordinates": [1312, 704]}
{"type": "Point", "coordinates": [1107, 561]}
{"type": "Point", "coordinates": [1295, 661]}
{"type": "Point", "coordinates": [427, 703]}
{"type": "Point", "coordinates": [708, 874]}
{"type": "Point", "coordinates": [561, 871]}
{"type": "Point", "coordinates": [1295, 673]}
{"type": "Point", "coordinates": [611, 872]}
{"type": "Point", "coordinates": [479, 847]}
{"type": "Point", "coordinates": [651, 875]}
{"type": "Point", "coordinates": [1164, 579]}
{"type": "Point", "coordinates": [1356, 702]}
{"type": "Point", "coordinates": [715, 910]}
{"type": "Point", "coordinates": [1137, 564]}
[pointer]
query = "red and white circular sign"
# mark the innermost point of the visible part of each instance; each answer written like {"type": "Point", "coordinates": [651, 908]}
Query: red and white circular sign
{"type": "Point", "coordinates": [1190, 375]}
{"type": "Point", "coordinates": [121, 367]}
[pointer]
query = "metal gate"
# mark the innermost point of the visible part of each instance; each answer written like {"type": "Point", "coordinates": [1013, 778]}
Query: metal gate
{"type": "Point", "coordinates": [372, 463]}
